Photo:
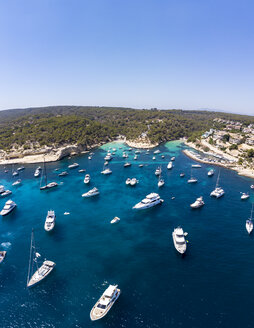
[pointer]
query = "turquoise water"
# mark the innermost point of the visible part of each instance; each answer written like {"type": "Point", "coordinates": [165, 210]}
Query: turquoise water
{"type": "Point", "coordinates": [211, 286]}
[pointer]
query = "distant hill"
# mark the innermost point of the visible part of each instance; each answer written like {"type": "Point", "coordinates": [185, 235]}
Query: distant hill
{"type": "Point", "coordinates": [84, 125]}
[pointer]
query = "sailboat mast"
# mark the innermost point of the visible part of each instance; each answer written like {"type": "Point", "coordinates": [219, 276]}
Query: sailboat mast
{"type": "Point", "coordinates": [217, 182]}
{"type": "Point", "coordinates": [30, 259]}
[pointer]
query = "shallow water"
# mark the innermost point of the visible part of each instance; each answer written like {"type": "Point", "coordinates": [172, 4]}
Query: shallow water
{"type": "Point", "coordinates": [211, 286]}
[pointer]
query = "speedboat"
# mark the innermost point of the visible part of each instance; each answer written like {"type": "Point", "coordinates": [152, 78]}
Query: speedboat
{"type": "Point", "coordinates": [198, 203]}
{"type": "Point", "coordinates": [141, 165]}
{"type": "Point", "coordinates": [2, 256]}
{"type": "Point", "coordinates": [182, 175]}
{"type": "Point", "coordinates": [128, 181]}
{"type": "Point", "coordinates": [173, 158]}
{"type": "Point", "coordinates": [156, 151]}
{"type": "Point", "coordinates": [252, 186]}
{"type": "Point", "coordinates": [105, 302]}
{"type": "Point", "coordinates": [6, 193]}
{"type": "Point", "coordinates": [150, 201]}
{"type": "Point", "coordinates": [179, 240]}
{"type": "Point", "coordinates": [92, 192]}
{"type": "Point", "coordinates": [8, 207]}
{"type": "Point", "coordinates": [73, 166]}
{"type": "Point", "coordinates": [50, 221]}
{"type": "Point", "coordinates": [37, 172]}
{"type": "Point", "coordinates": [87, 178]}
{"type": "Point", "coordinates": [170, 165]}
{"type": "Point", "coordinates": [133, 182]}
{"type": "Point", "coordinates": [161, 183]}
{"type": "Point", "coordinates": [63, 174]}
{"type": "Point", "coordinates": [106, 171]}
{"type": "Point", "coordinates": [21, 168]}
{"type": "Point", "coordinates": [127, 164]}
{"type": "Point", "coordinates": [15, 173]}
{"type": "Point", "coordinates": [192, 180]}
{"type": "Point", "coordinates": [162, 156]}
{"type": "Point", "coordinates": [210, 173]}
{"type": "Point", "coordinates": [17, 182]}
{"type": "Point", "coordinates": [82, 170]}
{"type": "Point", "coordinates": [197, 166]}
{"type": "Point", "coordinates": [245, 196]}
{"type": "Point", "coordinates": [115, 220]}
{"type": "Point", "coordinates": [158, 171]}
{"type": "Point", "coordinates": [89, 157]}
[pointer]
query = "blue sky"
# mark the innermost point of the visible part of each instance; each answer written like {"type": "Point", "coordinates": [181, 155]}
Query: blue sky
{"type": "Point", "coordinates": [186, 54]}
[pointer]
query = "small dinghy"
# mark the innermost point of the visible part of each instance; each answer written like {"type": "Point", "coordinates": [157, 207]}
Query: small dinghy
{"type": "Point", "coordinates": [66, 213]}
{"type": "Point", "coordinates": [245, 196]}
{"type": "Point", "coordinates": [115, 220]}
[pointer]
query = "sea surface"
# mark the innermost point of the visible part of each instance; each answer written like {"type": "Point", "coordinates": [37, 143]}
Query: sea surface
{"type": "Point", "coordinates": [211, 286]}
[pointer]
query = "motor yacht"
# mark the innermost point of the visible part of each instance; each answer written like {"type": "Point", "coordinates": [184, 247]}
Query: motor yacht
{"type": "Point", "coordinates": [173, 158]}
{"type": "Point", "coordinates": [127, 164]}
{"type": "Point", "coordinates": [105, 302]}
{"type": "Point", "coordinates": [87, 179]}
{"type": "Point", "coordinates": [210, 173]}
{"type": "Point", "coordinates": [179, 240]}
{"type": "Point", "coordinates": [50, 221]}
{"type": "Point", "coordinates": [82, 170]}
{"type": "Point", "coordinates": [161, 182]}
{"type": "Point", "coordinates": [150, 201]}
{"type": "Point", "coordinates": [106, 171]}
{"type": "Point", "coordinates": [218, 191]}
{"type": "Point", "coordinates": [37, 172]}
{"type": "Point", "coordinates": [108, 157]}
{"type": "Point", "coordinates": [17, 182]}
{"type": "Point", "coordinates": [245, 196]}
{"type": "Point", "coordinates": [6, 193]}
{"type": "Point", "coordinates": [73, 166]}
{"type": "Point", "coordinates": [8, 207]}
{"type": "Point", "coordinates": [158, 171]}
{"type": "Point", "coordinates": [90, 193]}
{"type": "Point", "coordinates": [2, 189]}
{"type": "Point", "coordinates": [115, 220]}
{"type": "Point", "coordinates": [170, 165]}
{"type": "Point", "coordinates": [2, 256]}
{"type": "Point", "coordinates": [63, 174]}
{"type": "Point", "coordinates": [198, 203]}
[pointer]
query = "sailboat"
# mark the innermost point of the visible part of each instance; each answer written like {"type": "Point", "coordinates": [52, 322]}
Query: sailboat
{"type": "Point", "coordinates": [37, 273]}
{"type": "Point", "coordinates": [47, 185]}
{"type": "Point", "coordinates": [249, 223]}
{"type": "Point", "coordinates": [218, 191]}
{"type": "Point", "coordinates": [192, 179]}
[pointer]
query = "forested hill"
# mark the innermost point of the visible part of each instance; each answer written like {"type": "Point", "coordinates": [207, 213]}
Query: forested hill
{"type": "Point", "coordinates": [60, 125]}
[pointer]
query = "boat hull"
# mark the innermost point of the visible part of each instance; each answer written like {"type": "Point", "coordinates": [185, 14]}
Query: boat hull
{"type": "Point", "coordinates": [94, 317]}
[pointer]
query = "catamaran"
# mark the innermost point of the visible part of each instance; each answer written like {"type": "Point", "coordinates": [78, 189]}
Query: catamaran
{"type": "Point", "coordinates": [218, 191]}
{"type": "Point", "coordinates": [249, 223]}
{"type": "Point", "coordinates": [37, 273]}
{"type": "Point", "coordinates": [105, 302]}
{"type": "Point", "coordinates": [46, 185]}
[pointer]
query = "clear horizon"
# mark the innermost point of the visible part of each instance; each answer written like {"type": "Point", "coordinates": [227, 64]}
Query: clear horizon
{"type": "Point", "coordinates": [140, 54]}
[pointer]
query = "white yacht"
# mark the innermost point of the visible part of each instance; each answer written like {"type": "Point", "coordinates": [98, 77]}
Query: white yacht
{"type": "Point", "coordinates": [161, 182]}
{"type": "Point", "coordinates": [73, 166]}
{"type": "Point", "coordinates": [150, 201]}
{"type": "Point", "coordinates": [179, 240]}
{"type": "Point", "coordinates": [104, 304]}
{"type": "Point", "coordinates": [141, 165]}
{"type": "Point", "coordinates": [89, 157]}
{"type": "Point", "coordinates": [133, 182]}
{"type": "Point", "coordinates": [17, 182]}
{"type": "Point", "coordinates": [156, 151]}
{"type": "Point", "coordinates": [15, 173]}
{"type": "Point", "coordinates": [182, 174]}
{"type": "Point", "coordinates": [137, 152]}
{"type": "Point", "coordinates": [21, 168]}
{"type": "Point", "coordinates": [249, 223]}
{"type": "Point", "coordinates": [92, 192]}
{"type": "Point", "coordinates": [170, 165]}
{"type": "Point", "coordinates": [37, 172]}
{"type": "Point", "coordinates": [87, 178]}
{"type": "Point", "coordinates": [245, 196]}
{"type": "Point", "coordinates": [197, 166]}
{"type": "Point", "coordinates": [50, 221]}
{"type": "Point", "coordinates": [34, 277]}
{"type": "Point", "coordinates": [210, 173]}
{"type": "Point", "coordinates": [8, 207]}
{"type": "Point", "coordinates": [173, 158]}
{"type": "Point", "coordinates": [158, 171]}
{"type": "Point", "coordinates": [154, 158]}
{"type": "Point", "coordinates": [198, 203]}
{"type": "Point", "coordinates": [115, 220]}
{"type": "Point", "coordinates": [63, 174]}
{"type": "Point", "coordinates": [108, 157]}
{"type": "Point", "coordinates": [192, 179]}
{"type": "Point", "coordinates": [128, 181]}
{"type": "Point", "coordinates": [6, 193]}
{"type": "Point", "coordinates": [218, 191]}
{"type": "Point", "coordinates": [252, 186]}
{"type": "Point", "coordinates": [162, 156]}
{"type": "Point", "coordinates": [125, 155]}
{"type": "Point", "coordinates": [82, 170]}
{"type": "Point", "coordinates": [106, 171]}
{"type": "Point", "coordinates": [2, 189]}
{"type": "Point", "coordinates": [127, 164]}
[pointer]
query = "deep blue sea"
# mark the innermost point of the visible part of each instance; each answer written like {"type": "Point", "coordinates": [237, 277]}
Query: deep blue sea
{"type": "Point", "coordinates": [211, 286]}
